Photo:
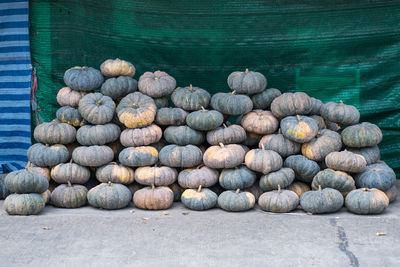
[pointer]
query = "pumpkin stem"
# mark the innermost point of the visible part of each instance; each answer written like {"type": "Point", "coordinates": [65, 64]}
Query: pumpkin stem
{"type": "Point", "coordinates": [246, 71]}
{"type": "Point", "coordinates": [199, 190]}
{"type": "Point", "coordinates": [84, 68]}
{"type": "Point", "coordinates": [70, 161]}
{"type": "Point", "coordinates": [279, 188]}
{"type": "Point", "coordinates": [221, 145]}
{"type": "Point", "coordinates": [224, 125]}
{"type": "Point", "coordinates": [262, 147]}
{"type": "Point", "coordinates": [156, 78]}
{"type": "Point", "coordinates": [201, 165]}
{"type": "Point", "coordinates": [298, 118]}
{"type": "Point", "coordinates": [153, 187]}
{"type": "Point", "coordinates": [98, 103]}
{"type": "Point", "coordinates": [202, 108]}
{"type": "Point", "coordinates": [365, 189]}
{"type": "Point", "coordinates": [279, 131]}
{"type": "Point", "coordinates": [109, 183]}
{"type": "Point", "coordinates": [341, 103]}
{"type": "Point", "coordinates": [135, 106]}
{"type": "Point", "coordinates": [234, 92]}
{"type": "Point", "coordinates": [319, 188]}
{"type": "Point", "coordinates": [47, 145]}
{"type": "Point", "coordinates": [69, 184]}
{"type": "Point", "coordinates": [191, 88]}
{"type": "Point", "coordinates": [237, 191]}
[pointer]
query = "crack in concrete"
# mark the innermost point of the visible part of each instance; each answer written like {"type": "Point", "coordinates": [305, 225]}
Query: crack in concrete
{"type": "Point", "coordinates": [344, 243]}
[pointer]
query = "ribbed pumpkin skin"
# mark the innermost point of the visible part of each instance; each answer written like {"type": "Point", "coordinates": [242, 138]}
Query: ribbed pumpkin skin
{"type": "Point", "coordinates": [4, 192]}
{"type": "Point", "coordinates": [109, 196]}
{"type": "Point", "coordinates": [247, 82]}
{"type": "Point", "coordinates": [264, 99]}
{"type": "Point", "coordinates": [289, 104]}
{"type": "Point", "coordinates": [24, 204]}
{"type": "Point", "coordinates": [89, 135]}
{"type": "Point", "coordinates": [66, 196]}
{"type": "Point", "coordinates": [40, 170]}
{"type": "Point", "coordinates": [391, 193]}
{"type": "Point", "coordinates": [70, 115]}
{"type": "Point", "coordinates": [136, 110]}
{"type": "Point", "coordinates": [193, 178]}
{"type": "Point", "coordinates": [280, 144]}
{"type": "Point", "coordinates": [183, 135]}
{"type": "Point", "coordinates": [316, 106]}
{"type": "Point", "coordinates": [299, 188]}
{"type": "Point", "coordinates": [190, 98]}
{"type": "Point", "coordinates": [158, 176]}
{"type": "Point", "coordinates": [138, 156]}
{"type": "Point", "coordinates": [156, 84]}
{"type": "Point", "coordinates": [119, 87]}
{"type": "Point", "coordinates": [279, 201]}
{"type": "Point", "coordinates": [376, 175]}
{"type": "Point", "coordinates": [141, 136]}
{"type": "Point", "coordinates": [159, 198]}
{"type": "Point", "coordinates": [327, 200]}
{"type": "Point", "coordinates": [367, 201]}
{"type": "Point", "coordinates": [332, 126]}
{"type": "Point", "coordinates": [232, 134]}
{"type": "Point", "coordinates": [260, 122]}
{"type": "Point", "coordinates": [320, 121]}
{"type": "Point", "coordinates": [371, 154]}
{"type": "Point", "coordinates": [204, 120]}
{"type": "Point", "coordinates": [70, 172]}
{"type": "Point", "coordinates": [171, 116]}
{"type": "Point", "coordinates": [25, 181]}
{"type": "Point", "coordinates": [177, 190]}
{"type": "Point", "coordinates": [46, 195]}
{"type": "Point", "coordinates": [239, 177]}
{"type": "Point", "coordinates": [226, 156]}
{"type": "Point", "coordinates": [117, 67]}
{"type": "Point", "coordinates": [44, 156]}
{"type": "Point", "coordinates": [300, 129]}
{"type": "Point", "coordinates": [231, 104]}
{"type": "Point", "coordinates": [362, 135]}
{"type": "Point", "coordinates": [340, 113]}
{"type": "Point", "coordinates": [338, 180]}
{"type": "Point", "coordinates": [281, 178]}
{"type": "Point", "coordinates": [54, 133]}
{"type": "Point", "coordinates": [68, 97]}
{"type": "Point", "coordinates": [181, 156]}
{"type": "Point", "coordinates": [346, 161]}
{"type": "Point", "coordinates": [161, 102]}
{"type": "Point", "coordinates": [232, 201]}
{"type": "Point", "coordinates": [264, 161]}
{"type": "Point", "coordinates": [115, 173]}
{"type": "Point", "coordinates": [325, 142]}
{"type": "Point", "coordinates": [92, 156]}
{"type": "Point", "coordinates": [304, 169]}
{"type": "Point", "coordinates": [199, 200]}
{"type": "Point", "coordinates": [83, 78]}
{"type": "Point", "coordinates": [97, 108]}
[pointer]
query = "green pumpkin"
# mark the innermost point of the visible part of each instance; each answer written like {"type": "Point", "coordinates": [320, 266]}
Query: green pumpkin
{"type": "Point", "coordinates": [247, 82]}
{"type": "Point", "coordinates": [136, 110]}
{"type": "Point", "coordinates": [154, 198]}
{"type": "Point", "coordinates": [70, 115]}
{"type": "Point", "coordinates": [171, 116]}
{"type": "Point", "coordinates": [177, 190]}
{"type": "Point", "coordinates": [141, 136]}
{"type": "Point", "coordinates": [325, 142]}
{"type": "Point", "coordinates": [47, 156]}
{"type": "Point", "coordinates": [340, 113]}
{"type": "Point", "coordinates": [92, 156]}
{"type": "Point", "coordinates": [200, 176]}
{"type": "Point", "coordinates": [115, 173]}
{"type": "Point", "coordinates": [238, 177]}
{"type": "Point", "coordinates": [199, 199]}
{"type": "Point", "coordinates": [260, 122]}
{"type": "Point", "coordinates": [70, 172]}
{"type": "Point", "coordinates": [181, 156]}
{"type": "Point", "coordinates": [326, 200]}
{"type": "Point", "coordinates": [378, 175]}
{"type": "Point", "coordinates": [190, 98]}
{"type": "Point", "coordinates": [346, 161]}
{"type": "Point", "coordinates": [183, 135]}
{"type": "Point", "coordinates": [304, 169]}
{"type": "Point", "coordinates": [25, 181]}
{"type": "Point", "coordinates": [204, 120]}
{"type": "Point", "coordinates": [264, 161]}
{"type": "Point", "coordinates": [156, 84]}
{"type": "Point", "coordinates": [24, 204]}
{"type": "Point", "coordinates": [158, 176]}
{"type": "Point", "coordinates": [290, 104]}
{"type": "Point", "coordinates": [320, 122]}
{"type": "Point", "coordinates": [236, 200]}
{"type": "Point", "coordinates": [161, 102]}
{"type": "Point", "coordinates": [54, 133]}
{"type": "Point", "coordinates": [119, 87]}
{"type": "Point", "coordinates": [299, 188]}
{"type": "Point", "coordinates": [89, 135]}
{"type": "Point", "coordinates": [231, 103]}
{"type": "Point", "coordinates": [224, 156]}
{"type": "Point", "coordinates": [264, 99]}
{"type": "Point", "coordinates": [300, 129]}
{"type": "Point", "coordinates": [4, 192]}
{"type": "Point", "coordinates": [68, 97]}
{"type": "Point", "coordinates": [338, 180]}
{"type": "Point", "coordinates": [316, 106]}
{"type": "Point", "coordinates": [117, 67]}
{"type": "Point", "coordinates": [232, 134]}
{"type": "Point", "coordinates": [371, 154]}
{"type": "Point", "coordinates": [97, 108]}
{"type": "Point", "coordinates": [279, 201]}
{"type": "Point", "coordinates": [280, 144]}
{"type": "Point", "coordinates": [278, 179]}
{"type": "Point", "coordinates": [391, 193]}
{"type": "Point", "coordinates": [109, 196]}
{"type": "Point", "coordinates": [367, 201]}
{"type": "Point", "coordinates": [83, 78]}
{"type": "Point", "coordinates": [69, 196]}
{"type": "Point", "coordinates": [362, 135]}
{"type": "Point", "coordinates": [138, 156]}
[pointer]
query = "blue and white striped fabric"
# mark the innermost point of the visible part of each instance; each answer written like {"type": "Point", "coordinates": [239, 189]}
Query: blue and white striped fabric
{"type": "Point", "coordinates": [15, 85]}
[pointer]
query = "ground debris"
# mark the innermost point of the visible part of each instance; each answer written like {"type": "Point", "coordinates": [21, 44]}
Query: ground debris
{"type": "Point", "coordinates": [309, 213]}
{"type": "Point", "coordinates": [46, 228]}
{"type": "Point", "coordinates": [165, 212]}
{"type": "Point", "coordinates": [185, 213]}
{"type": "Point", "coordinates": [380, 234]}
{"type": "Point", "coordinates": [132, 211]}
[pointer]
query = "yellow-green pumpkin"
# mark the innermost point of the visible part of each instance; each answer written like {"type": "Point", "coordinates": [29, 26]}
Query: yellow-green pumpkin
{"type": "Point", "coordinates": [24, 204]}
{"type": "Point", "coordinates": [338, 180]}
{"type": "Point", "coordinates": [236, 200]}
{"type": "Point", "coordinates": [279, 201]}
{"type": "Point", "coordinates": [199, 199]}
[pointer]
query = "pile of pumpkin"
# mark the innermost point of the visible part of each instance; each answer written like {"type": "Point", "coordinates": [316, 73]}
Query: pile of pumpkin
{"type": "Point", "coordinates": [118, 140]}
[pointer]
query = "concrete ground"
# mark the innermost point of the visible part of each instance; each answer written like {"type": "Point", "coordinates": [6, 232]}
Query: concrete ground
{"type": "Point", "coordinates": [181, 237]}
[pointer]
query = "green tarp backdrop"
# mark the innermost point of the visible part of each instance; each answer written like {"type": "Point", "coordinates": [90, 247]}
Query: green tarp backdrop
{"type": "Point", "coordinates": [333, 50]}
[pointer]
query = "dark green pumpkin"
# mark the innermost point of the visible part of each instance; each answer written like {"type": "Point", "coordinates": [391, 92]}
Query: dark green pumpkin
{"type": "Point", "coordinates": [44, 156]}
{"type": "Point", "coordinates": [204, 120]}
{"type": "Point", "coordinates": [304, 169]}
{"type": "Point", "coordinates": [171, 116]}
{"type": "Point", "coordinates": [264, 99]}
{"type": "Point", "coordinates": [264, 161]}
{"type": "Point", "coordinates": [109, 196]}
{"type": "Point", "coordinates": [238, 177]}
{"type": "Point", "coordinates": [97, 108]}
{"type": "Point", "coordinates": [326, 200]}
{"type": "Point", "coordinates": [290, 104]}
{"type": "Point", "coordinates": [378, 175]}
{"type": "Point", "coordinates": [362, 135]}
{"type": "Point", "coordinates": [138, 156]}
{"type": "Point", "coordinates": [371, 154]}
{"type": "Point", "coordinates": [69, 196]}
{"type": "Point", "coordinates": [279, 201]}
{"type": "Point", "coordinates": [199, 199]}
{"type": "Point", "coordinates": [181, 156]}
{"type": "Point", "coordinates": [320, 121]}
{"type": "Point", "coordinates": [190, 98]}
{"type": "Point", "coordinates": [89, 135]}
{"type": "Point", "coordinates": [346, 161]}
{"type": "Point", "coordinates": [119, 87]}
{"type": "Point", "coordinates": [24, 204]}
{"type": "Point", "coordinates": [367, 201]}
{"type": "Point", "coordinates": [340, 113]}
{"type": "Point", "coordinates": [280, 144]}
{"type": "Point", "coordinates": [83, 78]}
{"type": "Point", "coordinates": [25, 181]}
{"type": "Point", "coordinates": [278, 179]}
{"type": "Point", "coordinates": [316, 106]}
{"type": "Point", "coordinates": [247, 82]}
{"type": "Point", "coordinates": [4, 192]}
{"type": "Point", "coordinates": [92, 156]}
{"type": "Point", "coordinates": [54, 133]}
{"type": "Point", "coordinates": [338, 180]}
{"type": "Point", "coordinates": [70, 115]}
{"type": "Point", "coordinates": [232, 134]}
{"type": "Point", "coordinates": [70, 172]}
{"type": "Point", "coordinates": [183, 135]}
{"type": "Point", "coordinates": [161, 102]}
{"type": "Point", "coordinates": [300, 129]}
{"type": "Point", "coordinates": [236, 200]}
{"type": "Point", "coordinates": [325, 142]}
{"type": "Point", "coordinates": [231, 103]}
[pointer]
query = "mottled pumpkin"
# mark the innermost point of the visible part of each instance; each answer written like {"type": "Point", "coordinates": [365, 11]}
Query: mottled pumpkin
{"type": "Point", "coordinates": [367, 201]}
{"type": "Point", "coordinates": [156, 84]}
{"type": "Point", "coordinates": [154, 198]}
{"type": "Point", "coordinates": [231, 134]}
{"type": "Point", "coordinates": [181, 156]}
{"type": "Point", "coordinates": [332, 126]}
{"type": "Point", "coordinates": [92, 156]}
{"type": "Point", "coordinates": [346, 161]}
{"type": "Point", "coordinates": [109, 196]}
{"type": "Point", "coordinates": [171, 116]}
{"type": "Point", "coordinates": [141, 136]}
{"type": "Point", "coordinates": [138, 156]}
{"type": "Point", "coordinates": [340, 113]}
{"type": "Point", "coordinates": [68, 97]}
{"type": "Point", "coordinates": [115, 173]}
{"type": "Point", "coordinates": [47, 156]}
{"type": "Point", "coordinates": [264, 99]}
{"type": "Point", "coordinates": [247, 82]}
{"type": "Point", "coordinates": [89, 135]}
{"type": "Point", "coordinates": [279, 201]}
{"type": "Point", "coordinates": [326, 200]}
{"type": "Point", "coordinates": [325, 142]}
{"type": "Point", "coordinates": [190, 98]}
{"type": "Point", "coordinates": [83, 78]}
{"type": "Point", "coordinates": [4, 192]}
{"type": "Point", "coordinates": [300, 129]}
{"type": "Point", "coordinates": [136, 110]}
{"type": "Point", "coordinates": [304, 169]}
{"type": "Point", "coordinates": [338, 180]}
{"type": "Point", "coordinates": [264, 161]}
{"type": "Point", "coordinates": [204, 120]}
{"type": "Point", "coordinates": [177, 190]}
{"type": "Point", "coordinates": [25, 181]}
{"type": "Point", "coordinates": [224, 156]}
{"type": "Point", "coordinates": [97, 108]}
{"type": "Point", "coordinates": [183, 135]}
{"type": "Point", "coordinates": [391, 193]}
{"type": "Point", "coordinates": [290, 104]}
{"type": "Point", "coordinates": [119, 87]}
{"type": "Point", "coordinates": [70, 115]}
{"type": "Point", "coordinates": [200, 176]}
{"type": "Point", "coordinates": [161, 102]}
{"type": "Point", "coordinates": [231, 103]}
{"type": "Point", "coordinates": [199, 199]}
{"type": "Point", "coordinates": [236, 200]}
{"type": "Point", "coordinates": [69, 196]}
{"type": "Point", "coordinates": [371, 154]}
{"type": "Point", "coordinates": [46, 196]}
{"type": "Point", "coordinates": [54, 133]}
{"type": "Point", "coordinates": [158, 176]}
{"type": "Point", "coordinates": [238, 177]}
{"type": "Point", "coordinates": [378, 175]}
{"type": "Point", "coordinates": [41, 170]}
{"type": "Point", "coordinates": [278, 179]}
{"type": "Point", "coordinates": [70, 172]}
{"type": "Point", "coordinates": [320, 121]}
{"type": "Point", "coordinates": [362, 135]}
{"type": "Point", "coordinates": [24, 204]}
{"type": "Point", "coordinates": [316, 106]}
{"type": "Point", "coordinates": [117, 67]}
{"type": "Point", "coordinates": [280, 144]}
{"type": "Point", "coordinates": [260, 122]}
{"type": "Point", "coordinates": [299, 188]}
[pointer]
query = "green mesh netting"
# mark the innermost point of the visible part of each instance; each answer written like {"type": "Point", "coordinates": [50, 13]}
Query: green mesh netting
{"type": "Point", "coordinates": [341, 50]}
